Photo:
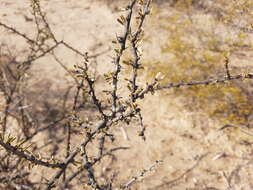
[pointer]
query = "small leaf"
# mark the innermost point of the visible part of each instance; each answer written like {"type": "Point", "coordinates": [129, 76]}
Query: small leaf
{"type": "Point", "coordinates": [127, 62]}
{"type": "Point", "coordinates": [159, 76]}
{"type": "Point", "coordinates": [22, 141]}
{"type": "Point", "coordinates": [121, 20]}
{"type": "Point", "coordinates": [10, 140]}
{"type": "Point", "coordinates": [117, 50]}
{"type": "Point", "coordinates": [141, 2]}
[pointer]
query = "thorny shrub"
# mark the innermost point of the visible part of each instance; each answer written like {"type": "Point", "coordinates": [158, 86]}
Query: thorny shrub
{"type": "Point", "coordinates": [20, 152]}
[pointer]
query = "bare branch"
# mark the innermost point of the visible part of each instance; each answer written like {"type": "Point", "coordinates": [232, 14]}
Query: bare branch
{"type": "Point", "coordinates": [30, 158]}
{"type": "Point", "coordinates": [141, 175]}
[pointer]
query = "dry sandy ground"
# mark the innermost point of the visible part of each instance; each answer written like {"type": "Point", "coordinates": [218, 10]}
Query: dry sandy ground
{"type": "Point", "coordinates": [195, 154]}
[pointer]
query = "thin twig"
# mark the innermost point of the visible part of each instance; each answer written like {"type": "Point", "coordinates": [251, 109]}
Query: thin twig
{"type": "Point", "coordinates": [154, 87]}
{"type": "Point", "coordinates": [30, 158]}
{"type": "Point", "coordinates": [122, 40]}
{"type": "Point", "coordinates": [171, 182]}
{"type": "Point", "coordinates": [142, 174]}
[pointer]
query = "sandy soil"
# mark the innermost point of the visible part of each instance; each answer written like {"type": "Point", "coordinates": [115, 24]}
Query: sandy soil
{"type": "Point", "coordinates": [195, 154]}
